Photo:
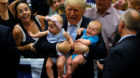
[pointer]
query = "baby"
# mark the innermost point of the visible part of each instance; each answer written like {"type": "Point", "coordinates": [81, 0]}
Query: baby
{"type": "Point", "coordinates": [56, 34]}
{"type": "Point", "coordinates": [89, 37]}
{"type": "Point", "coordinates": [81, 49]}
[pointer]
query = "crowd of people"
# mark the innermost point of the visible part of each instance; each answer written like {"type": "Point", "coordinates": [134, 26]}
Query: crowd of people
{"type": "Point", "coordinates": [65, 33]}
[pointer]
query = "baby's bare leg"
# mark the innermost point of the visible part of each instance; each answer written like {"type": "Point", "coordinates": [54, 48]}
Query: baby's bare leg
{"type": "Point", "coordinates": [60, 65]}
{"type": "Point", "coordinates": [80, 48]}
{"type": "Point", "coordinates": [79, 59]}
{"type": "Point", "coordinates": [69, 65]}
{"type": "Point", "coordinates": [49, 70]}
{"type": "Point", "coordinates": [64, 47]}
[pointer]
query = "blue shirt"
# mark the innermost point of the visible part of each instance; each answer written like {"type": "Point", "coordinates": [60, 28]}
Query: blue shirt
{"type": "Point", "coordinates": [93, 39]}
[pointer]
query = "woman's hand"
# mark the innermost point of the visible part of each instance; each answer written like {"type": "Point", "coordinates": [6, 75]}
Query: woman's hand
{"type": "Point", "coordinates": [31, 47]}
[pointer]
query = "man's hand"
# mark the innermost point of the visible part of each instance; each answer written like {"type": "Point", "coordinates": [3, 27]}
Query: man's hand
{"type": "Point", "coordinates": [84, 41]}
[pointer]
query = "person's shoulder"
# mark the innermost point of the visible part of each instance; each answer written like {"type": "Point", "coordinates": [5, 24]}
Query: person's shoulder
{"type": "Point", "coordinates": [4, 32]}
{"type": "Point", "coordinates": [92, 9]}
{"type": "Point", "coordinates": [17, 29]}
{"type": "Point", "coordinates": [115, 11]}
{"type": "Point", "coordinates": [87, 19]}
{"type": "Point", "coordinates": [4, 28]}
{"type": "Point", "coordinates": [90, 12]}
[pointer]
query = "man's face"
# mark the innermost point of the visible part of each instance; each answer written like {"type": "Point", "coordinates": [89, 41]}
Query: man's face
{"type": "Point", "coordinates": [74, 13]}
{"type": "Point", "coordinates": [103, 5]}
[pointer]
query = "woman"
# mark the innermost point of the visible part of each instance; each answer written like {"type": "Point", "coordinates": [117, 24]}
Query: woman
{"type": "Point", "coordinates": [26, 23]}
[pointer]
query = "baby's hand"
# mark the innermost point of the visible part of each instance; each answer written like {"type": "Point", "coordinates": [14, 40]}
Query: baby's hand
{"type": "Point", "coordinates": [31, 34]}
{"type": "Point", "coordinates": [31, 47]}
{"type": "Point", "coordinates": [78, 32]}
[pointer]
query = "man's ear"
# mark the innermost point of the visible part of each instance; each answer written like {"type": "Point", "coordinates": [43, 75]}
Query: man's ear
{"type": "Point", "coordinates": [121, 26]}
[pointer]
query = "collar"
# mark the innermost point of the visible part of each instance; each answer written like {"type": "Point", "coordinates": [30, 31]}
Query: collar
{"type": "Point", "coordinates": [78, 24]}
{"type": "Point", "coordinates": [125, 37]}
{"type": "Point", "coordinates": [109, 11]}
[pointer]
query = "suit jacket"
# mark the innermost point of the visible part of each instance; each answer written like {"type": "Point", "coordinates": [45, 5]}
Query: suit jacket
{"type": "Point", "coordinates": [9, 56]}
{"type": "Point", "coordinates": [124, 59]}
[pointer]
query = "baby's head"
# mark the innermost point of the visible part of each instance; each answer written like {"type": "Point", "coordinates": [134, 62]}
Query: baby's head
{"type": "Point", "coordinates": [55, 23]}
{"type": "Point", "coordinates": [94, 28]}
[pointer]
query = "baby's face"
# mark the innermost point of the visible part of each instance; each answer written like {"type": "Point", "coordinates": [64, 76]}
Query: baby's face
{"type": "Point", "coordinates": [53, 28]}
{"type": "Point", "coordinates": [92, 30]}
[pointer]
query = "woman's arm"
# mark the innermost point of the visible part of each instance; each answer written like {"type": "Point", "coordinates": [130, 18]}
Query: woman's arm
{"type": "Point", "coordinates": [12, 7]}
{"type": "Point", "coordinates": [18, 36]}
{"type": "Point", "coordinates": [42, 21]}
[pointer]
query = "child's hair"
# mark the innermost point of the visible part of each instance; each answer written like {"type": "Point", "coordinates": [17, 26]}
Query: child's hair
{"type": "Point", "coordinates": [97, 22]}
{"type": "Point", "coordinates": [57, 19]}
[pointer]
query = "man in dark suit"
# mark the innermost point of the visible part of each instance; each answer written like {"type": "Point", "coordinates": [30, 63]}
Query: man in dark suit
{"type": "Point", "coordinates": [74, 16]}
{"type": "Point", "coordinates": [9, 56]}
{"type": "Point", "coordinates": [123, 59]}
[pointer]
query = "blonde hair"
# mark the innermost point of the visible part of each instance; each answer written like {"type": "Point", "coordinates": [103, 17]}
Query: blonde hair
{"type": "Point", "coordinates": [81, 3]}
{"type": "Point", "coordinates": [97, 22]}
{"type": "Point", "coordinates": [59, 18]}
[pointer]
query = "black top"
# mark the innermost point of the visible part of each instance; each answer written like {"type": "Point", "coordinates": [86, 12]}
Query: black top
{"type": "Point", "coordinates": [10, 23]}
{"type": "Point", "coordinates": [29, 39]}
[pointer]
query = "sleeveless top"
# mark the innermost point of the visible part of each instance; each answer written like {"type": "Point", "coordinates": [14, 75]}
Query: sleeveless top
{"type": "Point", "coordinates": [28, 39]}
{"type": "Point", "coordinates": [10, 22]}
{"type": "Point", "coordinates": [56, 38]}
